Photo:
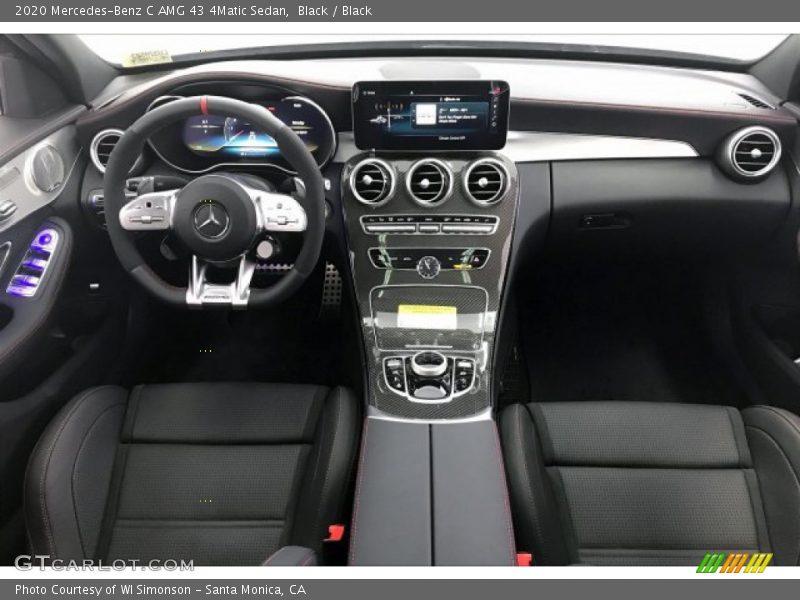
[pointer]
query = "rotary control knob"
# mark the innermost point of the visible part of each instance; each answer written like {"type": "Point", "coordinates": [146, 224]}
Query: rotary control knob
{"type": "Point", "coordinates": [429, 364]}
{"type": "Point", "coordinates": [428, 267]}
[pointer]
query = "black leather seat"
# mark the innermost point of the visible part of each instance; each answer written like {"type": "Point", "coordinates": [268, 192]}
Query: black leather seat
{"type": "Point", "coordinates": [222, 474]}
{"type": "Point", "coordinates": [629, 483]}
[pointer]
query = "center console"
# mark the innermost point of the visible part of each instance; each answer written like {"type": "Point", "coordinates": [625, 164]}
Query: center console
{"type": "Point", "coordinates": [429, 211]}
{"type": "Point", "coordinates": [429, 234]}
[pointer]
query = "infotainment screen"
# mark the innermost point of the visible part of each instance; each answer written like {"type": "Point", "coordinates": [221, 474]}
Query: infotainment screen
{"type": "Point", "coordinates": [430, 115]}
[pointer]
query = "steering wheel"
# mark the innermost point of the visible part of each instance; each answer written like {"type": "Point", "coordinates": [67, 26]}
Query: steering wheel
{"type": "Point", "coordinates": [218, 217]}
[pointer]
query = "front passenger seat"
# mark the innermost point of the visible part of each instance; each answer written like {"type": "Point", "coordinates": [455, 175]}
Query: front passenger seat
{"type": "Point", "coordinates": [217, 473]}
{"type": "Point", "coordinates": [640, 483]}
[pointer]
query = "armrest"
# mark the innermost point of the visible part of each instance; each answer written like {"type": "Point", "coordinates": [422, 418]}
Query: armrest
{"type": "Point", "coordinates": [431, 494]}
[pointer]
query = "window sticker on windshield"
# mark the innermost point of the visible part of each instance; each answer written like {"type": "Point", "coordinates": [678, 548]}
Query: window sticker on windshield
{"type": "Point", "coordinates": [422, 316]}
{"type": "Point", "coordinates": [146, 57]}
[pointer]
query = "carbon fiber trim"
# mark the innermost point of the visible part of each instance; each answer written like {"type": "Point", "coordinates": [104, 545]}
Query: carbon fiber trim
{"type": "Point", "coordinates": [476, 293]}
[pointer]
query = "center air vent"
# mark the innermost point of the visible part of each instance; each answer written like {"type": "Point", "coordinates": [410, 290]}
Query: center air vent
{"type": "Point", "coordinates": [429, 182]}
{"type": "Point", "coordinates": [102, 146]}
{"type": "Point", "coordinates": [486, 181]}
{"type": "Point", "coordinates": [372, 182]}
{"type": "Point", "coordinates": [751, 152]}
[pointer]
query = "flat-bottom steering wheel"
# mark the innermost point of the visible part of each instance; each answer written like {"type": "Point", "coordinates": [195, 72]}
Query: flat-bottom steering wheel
{"type": "Point", "coordinates": [218, 217]}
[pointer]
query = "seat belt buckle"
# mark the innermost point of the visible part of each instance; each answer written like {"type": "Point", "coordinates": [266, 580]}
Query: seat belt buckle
{"type": "Point", "coordinates": [524, 559]}
{"type": "Point", "coordinates": [335, 533]}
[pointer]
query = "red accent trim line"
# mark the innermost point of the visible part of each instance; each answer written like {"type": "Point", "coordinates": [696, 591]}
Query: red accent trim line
{"type": "Point", "coordinates": [204, 105]}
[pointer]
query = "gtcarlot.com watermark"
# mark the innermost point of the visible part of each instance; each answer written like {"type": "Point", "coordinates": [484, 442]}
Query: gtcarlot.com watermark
{"type": "Point", "coordinates": [27, 562]}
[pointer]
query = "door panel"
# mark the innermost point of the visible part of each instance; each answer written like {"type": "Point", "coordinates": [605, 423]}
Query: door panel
{"type": "Point", "coordinates": [48, 350]}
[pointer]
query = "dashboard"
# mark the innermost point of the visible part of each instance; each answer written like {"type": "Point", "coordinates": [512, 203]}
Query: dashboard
{"type": "Point", "coordinates": [437, 188]}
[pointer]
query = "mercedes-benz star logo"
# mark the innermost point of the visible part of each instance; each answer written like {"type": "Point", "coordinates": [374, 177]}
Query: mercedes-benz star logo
{"type": "Point", "coordinates": [211, 220]}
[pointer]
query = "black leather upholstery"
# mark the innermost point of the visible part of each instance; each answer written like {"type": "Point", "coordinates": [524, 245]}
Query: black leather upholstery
{"type": "Point", "coordinates": [217, 473]}
{"type": "Point", "coordinates": [640, 483]}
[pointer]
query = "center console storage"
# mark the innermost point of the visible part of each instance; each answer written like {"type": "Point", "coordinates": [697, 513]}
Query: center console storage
{"type": "Point", "coordinates": [431, 494]}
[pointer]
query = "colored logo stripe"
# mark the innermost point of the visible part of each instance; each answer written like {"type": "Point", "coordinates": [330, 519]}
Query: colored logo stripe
{"type": "Point", "coordinates": [758, 563]}
{"type": "Point", "coordinates": [734, 562]}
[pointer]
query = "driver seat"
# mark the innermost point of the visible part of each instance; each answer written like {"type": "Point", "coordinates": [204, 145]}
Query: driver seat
{"type": "Point", "coordinates": [217, 473]}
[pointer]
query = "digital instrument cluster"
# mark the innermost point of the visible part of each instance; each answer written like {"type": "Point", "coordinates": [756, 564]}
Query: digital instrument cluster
{"type": "Point", "coordinates": [203, 143]}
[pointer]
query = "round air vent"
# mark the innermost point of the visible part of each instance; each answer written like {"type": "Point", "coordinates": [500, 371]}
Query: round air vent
{"type": "Point", "coordinates": [102, 146]}
{"type": "Point", "coordinates": [372, 182]}
{"type": "Point", "coordinates": [486, 181]}
{"type": "Point", "coordinates": [429, 182]}
{"type": "Point", "coordinates": [751, 152]}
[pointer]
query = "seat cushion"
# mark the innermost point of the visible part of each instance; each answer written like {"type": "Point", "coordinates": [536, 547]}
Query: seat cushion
{"type": "Point", "coordinates": [647, 483]}
{"type": "Point", "coordinates": [222, 474]}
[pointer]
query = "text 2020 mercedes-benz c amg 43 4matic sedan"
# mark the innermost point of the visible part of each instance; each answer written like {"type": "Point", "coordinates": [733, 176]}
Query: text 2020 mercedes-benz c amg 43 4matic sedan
{"type": "Point", "coordinates": [399, 304]}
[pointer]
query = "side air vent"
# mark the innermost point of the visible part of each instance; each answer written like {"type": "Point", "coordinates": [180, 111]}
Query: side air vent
{"type": "Point", "coordinates": [429, 182]}
{"type": "Point", "coordinates": [372, 182]}
{"type": "Point", "coordinates": [751, 152]}
{"type": "Point", "coordinates": [486, 181]}
{"type": "Point", "coordinates": [102, 146]}
{"type": "Point", "coordinates": [757, 102]}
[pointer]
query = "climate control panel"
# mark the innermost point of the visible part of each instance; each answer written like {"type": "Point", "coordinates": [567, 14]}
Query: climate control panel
{"type": "Point", "coordinates": [429, 224]}
{"type": "Point", "coordinates": [459, 259]}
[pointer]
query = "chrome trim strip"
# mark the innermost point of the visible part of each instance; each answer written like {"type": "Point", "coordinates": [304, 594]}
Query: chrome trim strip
{"type": "Point", "coordinates": [379, 415]}
{"type": "Point", "coordinates": [534, 146]}
{"type": "Point", "coordinates": [5, 252]}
